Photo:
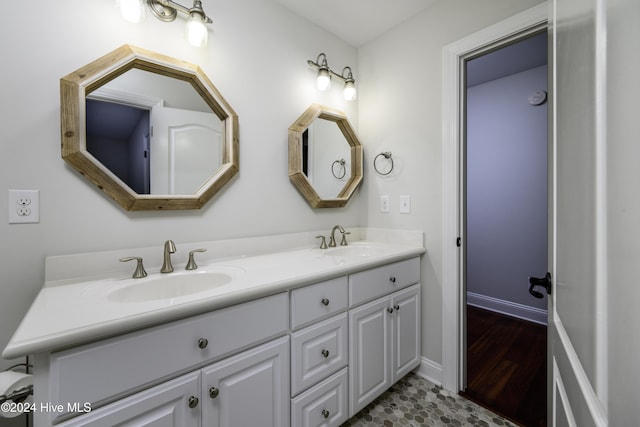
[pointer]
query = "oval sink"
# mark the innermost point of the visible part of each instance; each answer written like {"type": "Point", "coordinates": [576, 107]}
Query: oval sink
{"type": "Point", "coordinates": [171, 285]}
{"type": "Point", "coordinates": [355, 250]}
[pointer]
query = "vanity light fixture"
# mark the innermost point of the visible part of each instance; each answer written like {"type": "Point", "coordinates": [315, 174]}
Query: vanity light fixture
{"type": "Point", "coordinates": [196, 31]}
{"type": "Point", "coordinates": [325, 74]}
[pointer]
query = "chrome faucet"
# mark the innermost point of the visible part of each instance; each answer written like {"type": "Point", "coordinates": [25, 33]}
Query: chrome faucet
{"type": "Point", "coordinates": [169, 248]}
{"type": "Point", "coordinates": [332, 239]}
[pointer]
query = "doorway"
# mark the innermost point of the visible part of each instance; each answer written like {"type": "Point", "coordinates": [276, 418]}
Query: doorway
{"type": "Point", "coordinates": [504, 224]}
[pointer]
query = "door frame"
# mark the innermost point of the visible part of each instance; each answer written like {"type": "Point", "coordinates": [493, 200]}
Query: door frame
{"type": "Point", "coordinates": [453, 298]}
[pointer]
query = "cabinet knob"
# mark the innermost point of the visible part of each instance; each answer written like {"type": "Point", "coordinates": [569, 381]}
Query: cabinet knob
{"type": "Point", "coordinates": [193, 401]}
{"type": "Point", "coordinates": [203, 343]}
{"type": "Point", "coordinates": [396, 307]}
{"type": "Point", "coordinates": [392, 279]}
{"type": "Point", "coordinates": [213, 392]}
{"type": "Point", "coordinates": [390, 309]}
{"type": "Point", "coordinates": [325, 301]}
{"type": "Point", "coordinates": [325, 413]}
{"type": "Point", "coordinates": [325, 353]}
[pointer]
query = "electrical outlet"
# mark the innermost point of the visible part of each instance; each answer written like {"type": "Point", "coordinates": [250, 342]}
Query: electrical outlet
{"type": "Point", "coordinates": [24, 200]}
{"type": "Point", "coordinates": [23, 211]}
{"type": "Point", "coordinates": [405, 204]}
{"type": "Point", "coordinates": [24, 206]}
{"type": "Point", "coordinates": [384, 203]}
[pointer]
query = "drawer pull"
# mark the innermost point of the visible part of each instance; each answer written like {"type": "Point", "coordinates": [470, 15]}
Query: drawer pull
{"type": "Point", "coordinates": [392, 279]}
{"type": "Point", "coordinates": [325, 301]}
{"type": "Point", "coordinates": [390, 309]}
{"type": "Point", "coordinates": [203, 343]}
{"type": "Point", "coordinates": [213, 392]}
{"type": "Point", "coordinates": [325, 353]}
{"type": "Point", "coordinates": [193, 402]}
{"type": "Point", "coordinates": [396, 307]}
{"type": "Point", "coordinates": [325, 413]}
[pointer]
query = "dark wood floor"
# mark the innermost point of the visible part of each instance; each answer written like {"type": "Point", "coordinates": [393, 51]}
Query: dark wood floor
{"type": "Point", "coordinates": [506, 366]}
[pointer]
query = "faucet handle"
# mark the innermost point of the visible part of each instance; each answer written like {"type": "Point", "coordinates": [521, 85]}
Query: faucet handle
{"type": "Point", "coordinates": [191, 264]}
{"type": "Point", "coordinates": [323, 242]}
{"type": "Point", "coordinates": [140, 271]}
{"type": "Point", "coordinates": [343, 242]}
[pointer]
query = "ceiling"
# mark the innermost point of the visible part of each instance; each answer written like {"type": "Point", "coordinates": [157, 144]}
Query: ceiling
{"type": "Point", "coordinates": [523, 55]}
{"type": "Point", "coordinates": [356, 21]}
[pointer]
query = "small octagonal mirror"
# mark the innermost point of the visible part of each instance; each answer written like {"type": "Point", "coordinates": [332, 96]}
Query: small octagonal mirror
{"type": "Point", "coordinates": [325, 157]}
{"type": "Point", "coordinates": [150, 131]}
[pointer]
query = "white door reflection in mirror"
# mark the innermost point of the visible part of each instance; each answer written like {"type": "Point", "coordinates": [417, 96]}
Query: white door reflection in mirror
{"type": "Point", "coordinates": [115, 118]}
{"type": "Point", "coordinates": [187, 149]}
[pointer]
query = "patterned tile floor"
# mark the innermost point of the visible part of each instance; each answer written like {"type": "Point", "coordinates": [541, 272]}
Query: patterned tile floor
{"type": "Point", "coordinates": [414, 401]}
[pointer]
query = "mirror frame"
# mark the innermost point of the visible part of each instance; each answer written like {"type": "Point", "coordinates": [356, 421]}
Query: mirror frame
{"type": "Point", "coordinates": [73, 90]}
{"type": "Point", "coordinates": [296, 174]}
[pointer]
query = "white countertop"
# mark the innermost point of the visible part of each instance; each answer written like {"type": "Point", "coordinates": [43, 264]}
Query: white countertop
{"type": "Point", "coordinates": [72, 307]}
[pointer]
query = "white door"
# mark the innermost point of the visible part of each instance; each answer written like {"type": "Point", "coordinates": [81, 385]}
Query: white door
{"type": "Point", "coordinates": [186, 149]}
{"type": "Point", "coordinates": [577, 322]}
{"type": "Point", "coordinates": [250, 389]}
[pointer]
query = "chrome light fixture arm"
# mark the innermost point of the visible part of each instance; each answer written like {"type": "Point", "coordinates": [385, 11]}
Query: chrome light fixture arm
{"type": "Point", "coordinates": [166, 10]}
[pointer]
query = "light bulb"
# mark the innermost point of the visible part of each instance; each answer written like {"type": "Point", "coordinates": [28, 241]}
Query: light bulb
{"type": "Point", "coordinates": [132, 10]}
{"type": "Point", "coordinates": [349, 91]}
{"type": "Point", "coordinates": [324, 79]}
{"type": "Point", "coordinates": [196, 31]}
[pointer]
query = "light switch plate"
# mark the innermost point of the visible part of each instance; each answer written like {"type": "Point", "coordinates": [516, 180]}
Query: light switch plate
{"type": "Point", "coordinates": [24, 206]}
{"type": "Point", "coordinates": [405, 204]}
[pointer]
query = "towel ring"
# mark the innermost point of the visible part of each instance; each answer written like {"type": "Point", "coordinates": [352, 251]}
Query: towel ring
{"type": "Point", "coordinates": [386, 155]}
{"type": "Point", "coordinates": [341, 162]}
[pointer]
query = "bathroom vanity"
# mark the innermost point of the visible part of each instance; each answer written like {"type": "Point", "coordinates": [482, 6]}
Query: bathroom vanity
{"type": "Point", "coordinates": [299, 337]}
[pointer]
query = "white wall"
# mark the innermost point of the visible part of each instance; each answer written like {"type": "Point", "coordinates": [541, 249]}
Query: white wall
{"type": "Point", "coordinates": [400, 111]}
{"type": "Point", "coordinates": [256, 57]}
{"type": "Point", "coordinates": [506, 190]}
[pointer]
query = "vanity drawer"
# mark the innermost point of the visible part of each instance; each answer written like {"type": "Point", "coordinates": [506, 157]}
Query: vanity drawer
{"type": "Point", "coordinates": [112, 368]}
{"type": "Point", "coordinates": [318, 301]}
{"type": "Point", "coordinates": [318, 351]}
{"type": "Point", "coordinates": [368, 285]}
{"type": "Point", "coordinates": [323, 405]}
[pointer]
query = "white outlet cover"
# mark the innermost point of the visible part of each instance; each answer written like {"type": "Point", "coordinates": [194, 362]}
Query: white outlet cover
{"type": "Point", "coordinates": [24, 206]}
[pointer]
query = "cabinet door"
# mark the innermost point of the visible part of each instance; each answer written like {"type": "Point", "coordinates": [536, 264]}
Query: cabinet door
{"type": "Point", "coordinates": [369, 352]}
{"type": "Point", "coordinates": [406, 331]}
{"type": "Point", "coordinates": [250, 389]}
{"type": "Point", "coordinates": [165, 405]}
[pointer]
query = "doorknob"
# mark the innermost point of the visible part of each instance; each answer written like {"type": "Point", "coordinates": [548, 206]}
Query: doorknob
{"type": "Point", "coordinates": [545, 282]}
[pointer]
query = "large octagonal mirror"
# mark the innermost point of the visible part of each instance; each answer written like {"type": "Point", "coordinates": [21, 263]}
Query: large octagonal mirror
{"type": "Point", "coordinates": [325, 157]}
{"type": "Point", "coordinates": [150, 131]}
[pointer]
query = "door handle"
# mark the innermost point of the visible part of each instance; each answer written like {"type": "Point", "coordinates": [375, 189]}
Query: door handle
{"type": "Point", "coordinates": [545, 282]}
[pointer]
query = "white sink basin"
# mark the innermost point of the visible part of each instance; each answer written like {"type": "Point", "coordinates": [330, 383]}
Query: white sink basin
{"type": "Point", "coordinates": [356, 250]}
{"type": "Point", "coordinates": [166, 286]}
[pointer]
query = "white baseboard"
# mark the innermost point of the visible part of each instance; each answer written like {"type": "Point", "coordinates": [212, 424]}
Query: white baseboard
{"type": "Point", "coordinates": [521, 311]}
{"type": "Point", "coordinates": [430, 370]}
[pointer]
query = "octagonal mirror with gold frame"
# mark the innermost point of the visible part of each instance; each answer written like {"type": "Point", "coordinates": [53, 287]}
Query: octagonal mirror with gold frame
{"type": "Point", "coordinates": [150, 131]}
{"type": "Point", "coordinates": [325, 157]}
